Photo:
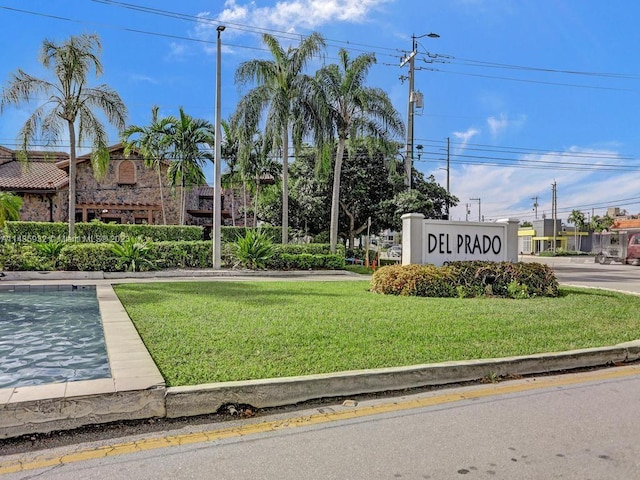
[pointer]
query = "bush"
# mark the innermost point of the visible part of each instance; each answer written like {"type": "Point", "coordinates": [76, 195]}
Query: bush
{"type": "Point", "coordinates": [467, 279]}
{"type": "Point", "coordinates": [413, 280]}
{"type": "Point", "coordinates": [253, 250]}
{"type": "Point", "coordinates": [133, 254]}
{"type": "Point", "coordinates": [93, 257]}
{"type": "Point", "coordinates": [25, 258]}
{"type": "Point", "coordinates": [305, 261]}
{"type": "Point", "coordinates": [182, 254]}
{"type": "Point", "coordinates": [96, 232]}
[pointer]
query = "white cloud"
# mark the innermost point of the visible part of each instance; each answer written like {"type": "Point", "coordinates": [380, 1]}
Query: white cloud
{"type": "Point", "coordinates": [285, 15]}
{"type": "Point", "coordinates": [506, 191]}
{"type": "Point", "coordinates": [465, 137]}
{"type": "Point", "coordinates": [502, 122]}
{"type": "Point", "coordinates": [136, 77]}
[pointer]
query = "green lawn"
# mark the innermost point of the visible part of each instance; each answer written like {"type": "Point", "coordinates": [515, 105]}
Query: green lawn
{"type": "Point", "coordinates": [219, 331]}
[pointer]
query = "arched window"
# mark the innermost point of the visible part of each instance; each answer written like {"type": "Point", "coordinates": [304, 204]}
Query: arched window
{"type": "Point", "coordinates": [127, 172]}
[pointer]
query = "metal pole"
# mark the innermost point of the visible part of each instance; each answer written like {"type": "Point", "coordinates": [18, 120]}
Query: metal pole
{"type": "Point", "coordinates": [448, 170]}
{"type": "Point", "coordinates": [217, 188]}
{"type": "Point", "coordinates": [408, 159]}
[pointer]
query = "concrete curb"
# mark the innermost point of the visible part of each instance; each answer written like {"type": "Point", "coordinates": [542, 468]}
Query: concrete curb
{"type": "Point", "coordinates": [205, 399]}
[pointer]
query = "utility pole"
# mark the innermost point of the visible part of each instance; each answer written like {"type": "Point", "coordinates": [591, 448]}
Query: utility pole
{"type": "Point", "coordinates": [448, 170]}
{"type": "Point", "coordinates": [468, 211]}
{"type": "Point", "coordinates": [410, 59]}
{"type": "Point", "coordinates": [554, 212]}
{"type": "Point", "coordinates": [535, 205]}
{"type": "Point", "coordinates": [479, 207]}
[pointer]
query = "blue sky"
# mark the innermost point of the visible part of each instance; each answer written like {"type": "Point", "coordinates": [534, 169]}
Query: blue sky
{"type": "Point", "coordinates": [529, 92]}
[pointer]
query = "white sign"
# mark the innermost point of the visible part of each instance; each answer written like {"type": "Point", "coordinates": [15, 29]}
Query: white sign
{"type": "Point", "coordinates": [440, 241]}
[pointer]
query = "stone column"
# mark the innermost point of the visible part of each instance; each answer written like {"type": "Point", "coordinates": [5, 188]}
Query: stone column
{"type": "Point", "coordinates": [412, 238]}
{"type": "Point", "coordinates": [511, 253]}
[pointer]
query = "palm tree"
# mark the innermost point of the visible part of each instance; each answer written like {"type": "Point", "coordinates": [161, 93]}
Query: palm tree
{"type": "Point", "coordinates": [191, 141]}
{"type": "Point", "coordinates": [351, 110]}
{"type": "Point", "coordinates": [279, 86]}
{"type": "Point", "coordinates": [578, 219]}
{"type": "Point", "coordinates": [10, 206]}
{"type": "Point", "coordinates": [151, 143]}
{"type": "Point", "coordinates": [70, 103]}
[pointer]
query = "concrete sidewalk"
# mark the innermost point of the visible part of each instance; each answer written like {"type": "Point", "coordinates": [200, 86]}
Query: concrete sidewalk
{"type": "Point", "coordinates": [137, 390]}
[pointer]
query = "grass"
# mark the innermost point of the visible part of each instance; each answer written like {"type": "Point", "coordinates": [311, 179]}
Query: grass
{"type": "Point", "coordinates": [222, 331]}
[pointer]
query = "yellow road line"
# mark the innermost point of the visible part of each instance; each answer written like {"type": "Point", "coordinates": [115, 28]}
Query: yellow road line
{"type": "Point", "coordinates": [44, 461]}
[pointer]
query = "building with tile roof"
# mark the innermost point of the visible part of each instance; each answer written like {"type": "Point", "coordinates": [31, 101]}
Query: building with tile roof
{"type": "Point", "coordinates": [128, 193]}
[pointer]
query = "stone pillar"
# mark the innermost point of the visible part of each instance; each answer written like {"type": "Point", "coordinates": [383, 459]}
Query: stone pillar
{"type": "Point", "coordinates": [412, 238]}
{"type": "Point", "coordinates": [511, 253]}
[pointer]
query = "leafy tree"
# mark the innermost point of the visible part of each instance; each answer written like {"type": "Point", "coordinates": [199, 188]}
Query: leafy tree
{"type": "Point", "coordinates": [427, 197]}
{"type": "Point", "coordinates": [350, 110]}
{"type": "Point", "coordinates": [526, 224]}
{"type": "Point", "coordinates": [368, 180]}
{"type": "Point", "coordinates": [70, 103]}
{"type": "Point", "coordinates": [280, 84]}
{"type": "Point", "coordinates": [10, 205]}
{"type": "Point", "coordinates": [151, 143]}
{"type": "Point", "coordinates": [191, 141]}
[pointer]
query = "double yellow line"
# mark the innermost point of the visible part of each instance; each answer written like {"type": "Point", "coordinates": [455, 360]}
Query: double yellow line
{"type": "Point", "coordinates": [46, 460]}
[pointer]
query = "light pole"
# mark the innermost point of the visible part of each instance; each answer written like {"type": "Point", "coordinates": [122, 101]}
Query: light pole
{"type": "Point", "coordinates": [217, 185]}
{"type": "Point", "coordinates": [410, 109]}
{"type": "Point", "coordinates": [479, 207]}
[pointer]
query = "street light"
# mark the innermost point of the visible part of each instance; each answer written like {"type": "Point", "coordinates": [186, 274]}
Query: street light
{"type": "Point", "coordinates": [217, 186]}
{"type": "Point", "coordinates": [412, 99]}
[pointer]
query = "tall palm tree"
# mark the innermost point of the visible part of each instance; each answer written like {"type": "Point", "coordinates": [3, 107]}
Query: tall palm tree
{"type": "Point", "coordinates": [151, 143]}
{"type": "Point", "coordinates": [10, 206]}
{"type": "Point", "coordinates": [191, 141]}
{"type": "Point", "coordinates": [351, 110]}
{"type": "Point", "coordinates": [70, 103]}
{"type": "Point", "coordinates": [579, 221]}
{"type": "Point", "coordinates": [279, 85]}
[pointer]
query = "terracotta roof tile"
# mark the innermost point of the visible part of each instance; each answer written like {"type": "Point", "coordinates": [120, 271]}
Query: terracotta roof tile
{"type": "Point", "coordinates": [34, 175]}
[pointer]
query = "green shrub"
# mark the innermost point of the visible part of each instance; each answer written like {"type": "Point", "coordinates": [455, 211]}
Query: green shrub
{"type": "Point", "coordinates": [413, 280]}
{"type": "Point", "coordinates": [25, 258]}
{"type": "Point", "coordinates": [96, 232]}
{"type": "Point", "coordinates": [93, 257]}
{"type": "Point", "coordinates": [305, 261]}
{"type": "Point", "coordinates": [467, 279]}
{"type": "Point", "coordinates": [133, 254]}
{"type": "Point", "coordinates": [184, 254]}
{"type": "Point", "coordinates": [51, 250]}
{"type": "Point", "coordinates": [253, 250]}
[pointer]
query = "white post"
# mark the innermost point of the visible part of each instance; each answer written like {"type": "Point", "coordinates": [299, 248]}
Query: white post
{"type": "Point", "coordinates": [217, 189]}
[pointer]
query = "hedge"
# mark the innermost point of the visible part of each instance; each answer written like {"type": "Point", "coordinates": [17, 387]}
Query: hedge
{"type": "Point", "coordinates": [164, 255]}
{"type": "Point", "coordinates": [467, 279]}
{"type": "Point", "coordinates": [96, 232]}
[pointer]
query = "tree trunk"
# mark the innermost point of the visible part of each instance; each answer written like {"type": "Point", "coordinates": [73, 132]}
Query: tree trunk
{"type": "Point", "coordinates": [335, 197]}
{"type": "Point", "coordinates": [255, 202]}
{"type": "Point", "coordinates": [72, 180]}
{"type": "Point", "coordinates": [244, 200]}
{"type": "Point", "coordinates": [285, 186]}
{"type": "Point", "coordinates": [164, 216]}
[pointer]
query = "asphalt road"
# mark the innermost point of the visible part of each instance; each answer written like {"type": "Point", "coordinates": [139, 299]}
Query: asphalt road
{"type": "Point", "coordinates": [582, 426]}
{"type": "Point", "coordinates": [578, 426]}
